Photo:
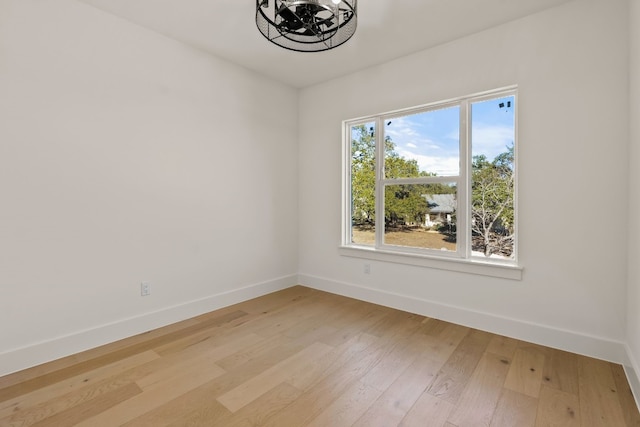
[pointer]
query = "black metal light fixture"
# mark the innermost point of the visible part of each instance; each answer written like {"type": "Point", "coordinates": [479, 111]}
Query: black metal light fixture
{"type": "Point", "coordinates": [307, 25]}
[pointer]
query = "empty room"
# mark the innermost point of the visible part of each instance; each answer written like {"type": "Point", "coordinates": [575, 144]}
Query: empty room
{"type": "Point", "coordinates": [320, 213]}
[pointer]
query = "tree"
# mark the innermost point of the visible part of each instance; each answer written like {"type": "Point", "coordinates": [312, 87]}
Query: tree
{"type": "Point", "coordinates": [403, 203]}
{"type": "Point", "coordinates": [363, 176]}
{"type": "Point", "coordinates": [492, 210]}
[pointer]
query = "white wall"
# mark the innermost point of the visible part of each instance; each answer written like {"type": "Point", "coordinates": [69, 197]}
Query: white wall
{"type": "Point", "coordinates": [571, 67]}
{"type": "Point", "coordinates": [128, 157]}
{"type": "Point", "coordinates": [121, 152]}
{"type": "Point", "coordinates": [633, 308]}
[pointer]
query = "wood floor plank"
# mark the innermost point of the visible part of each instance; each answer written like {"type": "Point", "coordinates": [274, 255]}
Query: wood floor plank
{"type": "Point", "coordinates": [88, 409]}
{"type": "Point", "coordinates": [434, 327]}
{"type": "Point", "coordinates": [392, 406]}
{"type": "Point", "coordinates": [247, 371]}
{"type": "Point", "coordinates": [352, 322]}
{"type": "Point", "coordinates": [203, 414]}
{"type": "Point", "coordinates": [302, 357]}
{"type": "Point", "coordinates": [284, 371]}
{"type": "Point", "coordinates": [456, 372]}
{"type": "Point", "coordinates": [391, 323]}
{"type": "Point", "coordinates": [219, 349]}
{"type": "Point", "coordinates": [198, 338]}
{"type": "Point", "coordinates": [67, 403]}
{"type": "Point", "coordinates": [209, 350]}
{"type": "Point", "coordinates": [444, 343]}
{"type": "Point", "coordinates": [253, 351]}
{"type": "Point", "coordinates": [515, 409]}
{"type": "Point", "coordinates": [343, 373]}
{"type": "Point", "coordinates": [526, 372]}
{"type": "Point", "coordinates": [428, 409]}
{"type": "Point", "coordinates": [276, 301]}
{"type": "Point", "coordinates": [348, 407]}
{"type": "Point", "coordinates": [212, 413]}
{"type": "Point", "coordinates": [599, 402]}
{"type": "Point", "coordinates": [259, 411]}
{"type": "Point", "coordinates": [625, 396]}
{"type": "Point", "coordinates": [479, 398]}
{"type": "Point", "coordinates": [502, 346]}
{"type": "Point", "coordinates": [181, 367]}
{"type": "Point", "coordinates": [390, 367]}
{"type": "Point", "coordinates": [558, 408]}
{"type": "Point", "coordinates": [157, 394]}
{"type": "Point", "coordinates": [561, 371]}
{"type": "Point", "coordinates": [195, 407]}
{"type": "Point", "coordinates": [319, 366]}
{"type": "Point", "coordinates": [88, 365]}
{"type": "Point", "coordinates": [66, 400]}
{"type": "Point", "coordinates": [286, 318]}
{"type": "Point", "coordinates": [267, 344]}
{"type": "Point", "coordinates": [73, 360]}
{"type": "Point", "coordinates": [81, 386]}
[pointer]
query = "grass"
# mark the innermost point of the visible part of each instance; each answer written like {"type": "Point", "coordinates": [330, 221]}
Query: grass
{"type": "Point", "coordinates": [411, 237]}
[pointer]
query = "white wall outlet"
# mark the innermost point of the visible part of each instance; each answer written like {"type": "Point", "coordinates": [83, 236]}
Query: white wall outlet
{"type": "Point", "coordinates": [145, 289]}
{"type": "Point", "coordinates": [367, 268]}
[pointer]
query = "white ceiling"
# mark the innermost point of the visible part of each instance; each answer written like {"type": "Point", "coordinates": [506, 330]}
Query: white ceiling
{"type": "Point", "coordinates": [387, 29]}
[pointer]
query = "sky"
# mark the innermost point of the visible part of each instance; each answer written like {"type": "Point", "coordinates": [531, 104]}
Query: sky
{"type": "Point", "coordinates": [432, 137]}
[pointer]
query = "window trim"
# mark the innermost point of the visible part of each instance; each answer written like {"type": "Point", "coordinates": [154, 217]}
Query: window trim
{"type": "Point", "coordinates": [462, 259]}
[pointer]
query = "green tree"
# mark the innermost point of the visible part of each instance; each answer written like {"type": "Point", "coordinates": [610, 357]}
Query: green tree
{"type": "Point", "coordinates": [403, 203]}
{"type": "Point", "coordinates": [363, 175]}
{"type": "Point", "coordinates": [492, 210]}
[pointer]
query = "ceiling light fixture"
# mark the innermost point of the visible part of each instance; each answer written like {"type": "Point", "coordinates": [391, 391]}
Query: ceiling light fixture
{"type": "Point", "coordinates": [307, 25]}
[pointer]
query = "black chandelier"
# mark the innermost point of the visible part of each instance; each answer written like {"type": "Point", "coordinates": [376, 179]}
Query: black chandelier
{"type": "Point", "coordinates": [307, 25]}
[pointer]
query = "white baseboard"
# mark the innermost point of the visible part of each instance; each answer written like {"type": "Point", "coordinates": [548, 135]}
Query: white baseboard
{"type": "Point", "coordinates": [574, 342]}
{"type": "Point", "coordinates": [632, 369]}
{"type": "Point", "coordinates": [46, 351]}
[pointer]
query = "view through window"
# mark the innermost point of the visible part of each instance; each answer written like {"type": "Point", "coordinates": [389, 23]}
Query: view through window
{"type": "Point", "coordinates": [435, 178]}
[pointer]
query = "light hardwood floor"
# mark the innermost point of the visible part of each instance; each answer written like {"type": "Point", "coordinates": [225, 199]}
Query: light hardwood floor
{"type": "Point", "coordinates": [301, 357]}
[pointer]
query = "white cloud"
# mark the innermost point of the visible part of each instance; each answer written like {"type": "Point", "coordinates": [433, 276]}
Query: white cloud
{"type": "Point", "coordinates": [401, 129]}
{"type": "Point", "coordinates": [442, 166]}
{"type": "Point", "coordinates": [491, 140]}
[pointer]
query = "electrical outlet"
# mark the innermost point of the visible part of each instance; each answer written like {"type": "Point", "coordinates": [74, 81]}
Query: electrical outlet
{"type": "Point", "coordinates": [367, 268]}
{"type": "Point", "coordinates": [145, 289]}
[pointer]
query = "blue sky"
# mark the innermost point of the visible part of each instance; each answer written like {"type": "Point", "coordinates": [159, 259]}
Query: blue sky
{"type": "Point", "coordinates": [432, 137]}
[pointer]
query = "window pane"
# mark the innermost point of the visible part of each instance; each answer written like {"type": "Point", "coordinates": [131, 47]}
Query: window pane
{"type": "Point", "coordinates": [363, 183]}
{"type": "Point", "coordinates": [420, 216]}
{"type": "Point", "coordinates": [423, 144]}
{"type": "Point", "coordinates": [492, 208]}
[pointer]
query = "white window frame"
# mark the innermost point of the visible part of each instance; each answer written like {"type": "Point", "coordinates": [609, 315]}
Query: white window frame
{"type": "Point", "coordinates": [461, 259]}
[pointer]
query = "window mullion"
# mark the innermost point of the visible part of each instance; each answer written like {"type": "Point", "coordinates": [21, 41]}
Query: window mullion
{"type": "Point", "coordinates": [379, 191]}
{"type": "Point", "coordinates": [347, 204]}
{"type": "Point", "coordinates": [464, 185]}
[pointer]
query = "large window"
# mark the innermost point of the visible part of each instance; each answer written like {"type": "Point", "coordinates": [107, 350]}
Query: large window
{"type": "Point", "coordinates": [436, 180]}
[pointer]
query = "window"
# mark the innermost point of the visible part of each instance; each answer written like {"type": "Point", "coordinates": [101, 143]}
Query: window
{"type": "Point", "coordinates": [434, 181]}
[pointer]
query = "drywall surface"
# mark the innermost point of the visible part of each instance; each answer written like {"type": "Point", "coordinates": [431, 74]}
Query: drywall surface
{"type": "Point", "coordinates": [128, 157]}
{"type": "Point", "coordinates": [570, 64]}
{"type": "Point", "coordinates": [633, 308]}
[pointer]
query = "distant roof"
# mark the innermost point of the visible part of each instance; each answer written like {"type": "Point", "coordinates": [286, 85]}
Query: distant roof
{"type": "Point", "coordinates": [441, 203]}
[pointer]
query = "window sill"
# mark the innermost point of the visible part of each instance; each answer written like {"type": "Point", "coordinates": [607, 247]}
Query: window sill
{"type": "Point", "coordinates": [471, 266]}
